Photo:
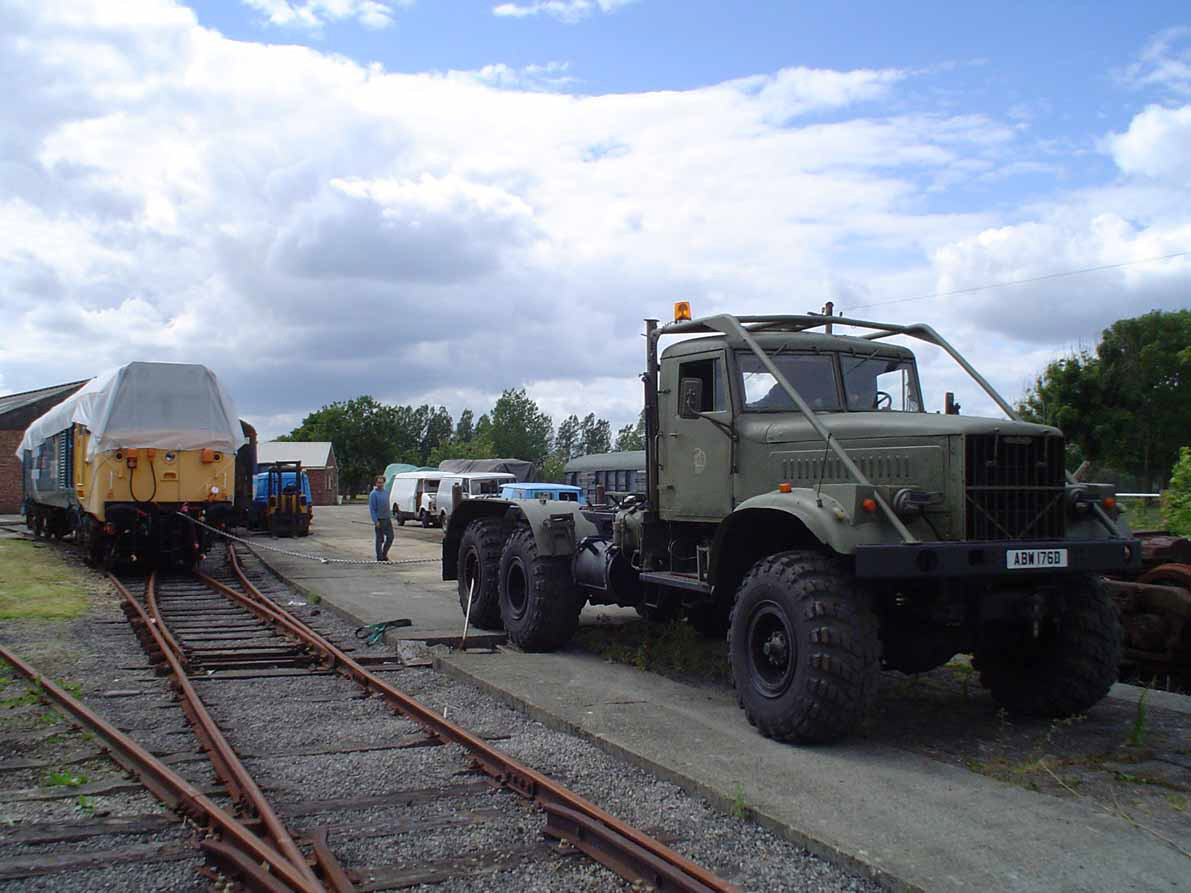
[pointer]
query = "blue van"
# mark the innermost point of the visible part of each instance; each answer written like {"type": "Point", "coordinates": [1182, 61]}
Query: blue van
{"type": "Point", "coordinates": [562, 492]}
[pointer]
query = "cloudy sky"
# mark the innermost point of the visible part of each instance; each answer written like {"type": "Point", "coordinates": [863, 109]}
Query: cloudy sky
{"type": "Point", "coordinates": [429, 200]}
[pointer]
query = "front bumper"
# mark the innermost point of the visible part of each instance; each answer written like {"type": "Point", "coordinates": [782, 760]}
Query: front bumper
{"type": "Point", "coordinates": [988, 559]}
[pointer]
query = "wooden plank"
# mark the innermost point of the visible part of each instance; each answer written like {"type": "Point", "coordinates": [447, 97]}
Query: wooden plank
{"type": "Point", "coordinates": [62, 832]}
{"type": "Point", "coordinates": [396, 877]}
{"type": "Point", "coordinates": [33, 866]}
{"type": "Point", "coordinates": [396, 798]}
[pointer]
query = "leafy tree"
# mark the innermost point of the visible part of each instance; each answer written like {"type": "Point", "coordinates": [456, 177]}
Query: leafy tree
{"type": "Point", "coordinates": [435, 432]}
{"type": "Point", "coordinates": [476, 448]}
{"type": "Point", "coordinates": [1129, 405]}
{"type": "Point", "coordinates": [1176, 503]}
{"type": "Point", "coordinates": [566, 440]}
{"type": "Point", "coordinates": [364, 433]}
{"type": "Point", "coordinates": [631, 437]}
{"type": "Point", "coordinates": [553, 468]}
{"type": "Point", "coordinates": [595, 435]}
{"type": "Point", "coordinates": [465, 429]}
{"type": "Point", "coordinates": [484, 427]}
{"type": "Point", "coordinates": [520, 430]}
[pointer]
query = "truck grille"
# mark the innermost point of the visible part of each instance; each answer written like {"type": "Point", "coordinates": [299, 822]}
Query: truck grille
{"type": "Point", "coordinates": [1015, 487]}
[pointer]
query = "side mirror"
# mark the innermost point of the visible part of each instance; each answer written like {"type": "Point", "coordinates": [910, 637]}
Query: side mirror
{"type": "Point", "coordinates": [691, 393]}
{"type": "Point", "coordinates": [950, 406]}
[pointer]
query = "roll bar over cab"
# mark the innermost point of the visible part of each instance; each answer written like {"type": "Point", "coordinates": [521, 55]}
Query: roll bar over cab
{"type": "Point", "coordinates": [799, 495]}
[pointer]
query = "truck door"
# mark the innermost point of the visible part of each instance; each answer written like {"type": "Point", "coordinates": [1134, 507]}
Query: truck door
{"type": "Point", "coordinates": [695, 478]}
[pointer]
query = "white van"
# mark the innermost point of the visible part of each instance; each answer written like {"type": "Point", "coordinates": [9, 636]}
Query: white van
{"type": "Point", "coordinates": [472, 484]}
{"type": "Point", "coordinates": [409, 494]}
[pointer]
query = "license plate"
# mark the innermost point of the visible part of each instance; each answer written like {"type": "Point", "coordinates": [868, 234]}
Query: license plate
{"type": "Point", "coordinates": [1033, 559]}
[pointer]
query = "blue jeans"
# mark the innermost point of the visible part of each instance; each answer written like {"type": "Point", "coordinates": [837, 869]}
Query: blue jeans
{"type": "Point", "coordinates": [384, 538]}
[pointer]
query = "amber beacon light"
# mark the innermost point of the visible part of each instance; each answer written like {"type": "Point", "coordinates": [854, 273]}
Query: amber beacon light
{"type": "Point", "coordinates": [682, 311]}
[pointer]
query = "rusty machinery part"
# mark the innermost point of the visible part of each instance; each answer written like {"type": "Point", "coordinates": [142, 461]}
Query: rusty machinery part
{"type": "Point", "coordinates": [630, 853]}
{"type": "Point", "coordinates": [1155, 607]}
{"type": "Point", "coordinates": [235, 777]}
{"type": "Point", "coordinates": [273, 872]}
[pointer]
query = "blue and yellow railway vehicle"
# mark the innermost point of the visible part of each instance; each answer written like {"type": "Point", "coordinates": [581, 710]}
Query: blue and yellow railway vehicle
{"type": "Point", "coordinates": [129, 463]}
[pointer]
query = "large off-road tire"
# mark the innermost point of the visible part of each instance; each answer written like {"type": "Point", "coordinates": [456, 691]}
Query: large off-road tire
{"type": "Point", "coordinates": [1068, 668]}
{"type": "Point", "coordinates": [539, 602]}
{"type": "Point", "coordinates": [479, 562]}
{"type": "Point", "coordinates": [804, 648]}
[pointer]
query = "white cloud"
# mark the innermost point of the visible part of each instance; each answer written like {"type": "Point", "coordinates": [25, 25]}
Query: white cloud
{"type": "Point", "coordinates": [568, 11]}
{"type": "Point", "coordinates": [1156, 145]}
{"type": "Point", "coordinates": [314, 229]}
{"type": "Point", "coordinates": [549, 76]}
{"type": "Point", "coordinates": [430, 229]}
{"type": "Point", "coordinates": [1164, 63]}
{"type": "Point", "coordinates": [312, 15]}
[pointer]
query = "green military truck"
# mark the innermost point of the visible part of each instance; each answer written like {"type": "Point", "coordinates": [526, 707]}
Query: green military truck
{"type": "Point", "coordinates": [800, 499]}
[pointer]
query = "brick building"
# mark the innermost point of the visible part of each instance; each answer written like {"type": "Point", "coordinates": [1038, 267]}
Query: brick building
{"type": "Point", "coordinates": [318, 461]}
{"type": "Point", "coordinates": [17, 411]}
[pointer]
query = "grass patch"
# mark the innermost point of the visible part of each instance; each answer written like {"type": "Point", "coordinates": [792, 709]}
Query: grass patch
{"type": "Point", "coordinates": [671, 649]}
{"type": "Point", "coordinates": [23, 699]}
{"type": "Point", "coordinates": [64, 778]}
{"type": "Point", "coordinates": [1137, 733]}
{"type": "Point", "coordinates": [36, 584]}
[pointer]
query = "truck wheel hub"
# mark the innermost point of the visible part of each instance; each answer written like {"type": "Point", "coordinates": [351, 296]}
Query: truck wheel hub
{"type": "Point", "coordinates": [771, 650]}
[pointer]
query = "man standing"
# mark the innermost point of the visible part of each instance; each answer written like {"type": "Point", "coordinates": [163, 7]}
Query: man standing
{"type": "Point", "coordinates": [382, 519]}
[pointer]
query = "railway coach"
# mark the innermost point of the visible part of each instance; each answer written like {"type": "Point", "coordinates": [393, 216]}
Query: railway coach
{"type": "Point", "coordinates": [130, 459]}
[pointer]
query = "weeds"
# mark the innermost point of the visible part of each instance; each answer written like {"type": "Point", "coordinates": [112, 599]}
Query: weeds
{"type": "Point", "coordinates": [85, 804]}
{"type": "Point", "coordinates": [1177, 802]}
{"type": "Point", "coordinates": [64, 778]}
{"type": "Point", "coordinates": [965, 671]}
{"type": "Point", "coordinates": [673, 649]}
{"type": "Point", "coordinates": [23, 699]}
{"type": "Point", "coordinates": [73, 688]}
{"type": "Point", "coordinates": [740, 808]}
{"type": "Point", "coordinates": [1137, 732]}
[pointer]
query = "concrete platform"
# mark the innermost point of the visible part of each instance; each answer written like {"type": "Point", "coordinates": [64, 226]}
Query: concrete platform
{"type": "Point", "coordinates": [912, 822]}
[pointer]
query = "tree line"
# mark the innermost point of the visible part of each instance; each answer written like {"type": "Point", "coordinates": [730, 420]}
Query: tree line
{"type": "Point", "coordinates": [368, 435]}
{"type": "Point", "coordinates": [1126, 406]}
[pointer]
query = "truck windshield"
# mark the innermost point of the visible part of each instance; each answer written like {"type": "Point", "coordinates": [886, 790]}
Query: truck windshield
{"type": "Point", "coordinates": [812, 375]}
{"type": "Point", "coordinates": [883, 383]}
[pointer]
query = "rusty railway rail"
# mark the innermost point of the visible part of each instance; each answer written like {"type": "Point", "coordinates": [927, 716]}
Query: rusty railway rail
{"type": "Point", "coordinates": [255, 846]}
{"type": "Point", "coordinates": [629, 852]}
{"type": "Point", "coordinates": [239, 845]}
{"type": "Point", "coordinates": [240, 784]}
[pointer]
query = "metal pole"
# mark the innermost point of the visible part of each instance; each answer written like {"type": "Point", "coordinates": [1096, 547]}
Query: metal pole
{"type": "Point", "coordinates": [650, 379]}
{"type": "Point", "coordinates": [471, 587]}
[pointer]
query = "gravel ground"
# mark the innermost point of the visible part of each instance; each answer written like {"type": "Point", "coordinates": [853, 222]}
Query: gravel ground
{"type": "Point", "coordinates": [270, 719]}
{"type": "Point", "coordinates": [88, 653]}
{"type": "Point", "coordinates": [737, 849]}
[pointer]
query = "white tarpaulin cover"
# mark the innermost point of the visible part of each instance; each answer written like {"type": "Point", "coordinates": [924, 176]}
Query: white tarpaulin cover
{"type": "Point", "coordinates": [169, 406]}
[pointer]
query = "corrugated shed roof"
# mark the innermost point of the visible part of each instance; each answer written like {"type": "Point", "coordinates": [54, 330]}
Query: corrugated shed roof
{"type": "Point", "coordinates": [633, 460]}
{"type": "Point", "coordinates": [13, 402]}
{"type": "Point", "coordinates": [312, 453]}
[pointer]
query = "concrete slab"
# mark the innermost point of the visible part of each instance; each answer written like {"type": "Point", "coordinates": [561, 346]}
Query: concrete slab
{"type": "Point", "coordinates": [912, 822]}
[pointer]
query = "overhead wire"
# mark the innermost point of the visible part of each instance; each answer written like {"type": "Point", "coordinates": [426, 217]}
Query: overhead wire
{"type": "Point", "coordinates": [1043, 278]}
